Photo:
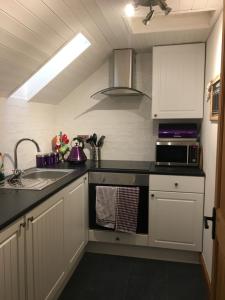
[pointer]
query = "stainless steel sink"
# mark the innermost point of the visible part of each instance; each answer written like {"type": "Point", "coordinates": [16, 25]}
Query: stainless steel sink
{"type": "Point", "coordinates": [36, 179]}
{"type": "Point", "coordinates": [46, 173]}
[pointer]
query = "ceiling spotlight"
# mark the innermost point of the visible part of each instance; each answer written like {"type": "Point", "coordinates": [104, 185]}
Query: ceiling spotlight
{"type": "Point", "coordinates": [163, 5]}
{"type": "Point", "coordinates": [129, 10]}
{"type": "Point", "coordinates": [150, 3]}
{"type": "Point", "coordinates": [147, 19]}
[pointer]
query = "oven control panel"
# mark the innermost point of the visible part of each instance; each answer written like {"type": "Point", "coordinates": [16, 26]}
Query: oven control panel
{"type": "Point", "coordinates": [128, 179]}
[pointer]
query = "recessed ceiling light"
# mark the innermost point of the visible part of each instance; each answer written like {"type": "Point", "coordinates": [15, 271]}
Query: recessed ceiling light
{"type": "Point", "coordinates": [129, 10]}
{"type": "Point", "coordinates": [52, 68]}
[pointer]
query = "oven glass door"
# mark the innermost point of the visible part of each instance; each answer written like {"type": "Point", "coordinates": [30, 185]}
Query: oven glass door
{"type": "Point", "coordinates": [142, 221]}
{"type": "Point", "coordinates": [172, 154]}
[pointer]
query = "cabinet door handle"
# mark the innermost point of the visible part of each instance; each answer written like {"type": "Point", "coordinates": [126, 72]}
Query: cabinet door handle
{"type": "Point", "coordinates": [152, 195]}
{"type": "Point", "coordinates": [22, 225]}
{"type": "Point", "coordinates": [176, 184]}
{"type": "Point", "coordinates": [117, 238]}
{"type": "Point", "coordinates": [29, 220]}
{"type": "Point", "coordinates": [155, 115]}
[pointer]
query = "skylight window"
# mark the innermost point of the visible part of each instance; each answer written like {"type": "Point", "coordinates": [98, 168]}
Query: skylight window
{"type": "Point", "coordinates": [52, 68]}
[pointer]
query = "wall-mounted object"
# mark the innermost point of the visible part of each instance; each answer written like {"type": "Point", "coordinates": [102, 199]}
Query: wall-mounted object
{"type": "Point", "coordinates": [178, 81]}
{"type": "Point", "coordinates": [214, 96]}
{"type": "Point", "coordinates": [123, 69]}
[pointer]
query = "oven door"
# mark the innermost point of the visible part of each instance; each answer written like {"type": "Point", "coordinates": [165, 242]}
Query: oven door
{"type": "Point", "coordinates": [142, 221]}
{"type": "Point", "coordinates": [171, 154]}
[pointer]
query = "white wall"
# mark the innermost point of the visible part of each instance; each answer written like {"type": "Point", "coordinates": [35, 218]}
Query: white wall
{"type": "Point", "coordinates": [126, 123]}
{"type": "Point", "coordinates": [209, 136]}
{"type": "Point", "coordinates": [19, 119]}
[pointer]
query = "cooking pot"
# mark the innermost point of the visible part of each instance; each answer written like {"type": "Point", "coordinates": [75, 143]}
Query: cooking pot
{"type": "Point", "coordinates": [77, 154]}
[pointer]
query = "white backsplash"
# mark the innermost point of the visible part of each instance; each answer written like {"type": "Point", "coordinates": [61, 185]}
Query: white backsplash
{"type": "Point", "coordinates": [126, 123]}
{"type": "Point", "coordinates": [19, 119]}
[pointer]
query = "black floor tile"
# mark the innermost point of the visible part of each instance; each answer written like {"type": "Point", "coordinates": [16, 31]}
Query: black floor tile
{"type": "Point", "coordinates": [143, 288]}
{"type": "Point", "coordinates": [96, 264]}
{"type": "Point", "coordinates": [185, 281]}
{"type": "Point", "coordinates": [101, 277]}
{"type": "Point", "coordinates": [148, 268]}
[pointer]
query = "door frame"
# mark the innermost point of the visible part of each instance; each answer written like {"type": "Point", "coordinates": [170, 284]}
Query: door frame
{"type": "Point", "coordinates": [220, 150]}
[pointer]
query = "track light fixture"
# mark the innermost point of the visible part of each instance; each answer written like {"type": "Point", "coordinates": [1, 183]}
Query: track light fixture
{"type": "Point", "coordinates": [150, 3]}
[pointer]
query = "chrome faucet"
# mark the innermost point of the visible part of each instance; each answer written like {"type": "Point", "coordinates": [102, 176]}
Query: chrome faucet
{"type": "Point", "coordinates": [15, 152]}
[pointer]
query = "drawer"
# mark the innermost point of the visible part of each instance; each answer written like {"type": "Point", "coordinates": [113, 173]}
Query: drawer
{"type": "Point", "coordinates": [187, 184]}
{"type": "Point", "coordinates": [118, 237]}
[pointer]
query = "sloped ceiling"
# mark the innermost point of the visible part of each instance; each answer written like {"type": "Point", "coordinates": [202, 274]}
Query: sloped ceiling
{"type": "Point", "coordinates": [31, 31]}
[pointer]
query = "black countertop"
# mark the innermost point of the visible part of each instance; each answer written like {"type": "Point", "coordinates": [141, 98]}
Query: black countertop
{"type": "Point", "coordinates": [120, 166]}
{"type": "Point", "coordinates": [16, 203]}
{"type": "Point", "coordinates": [180, 171]}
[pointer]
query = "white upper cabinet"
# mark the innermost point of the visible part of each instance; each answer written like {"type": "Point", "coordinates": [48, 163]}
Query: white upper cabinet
{"type": "Point", "coordinates": [178, 81]}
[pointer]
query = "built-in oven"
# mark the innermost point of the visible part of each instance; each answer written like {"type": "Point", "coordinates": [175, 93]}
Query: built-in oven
{"type": "Point", "coordinates": [125, 180]}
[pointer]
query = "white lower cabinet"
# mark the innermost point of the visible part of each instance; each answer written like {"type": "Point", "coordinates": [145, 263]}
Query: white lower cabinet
{"type": "Point", "coordinates": [76, 225]}
{"type": "Point", "coordinates": [12, 284]}
{"type": "Point", "coordinates": [44, 245]}
{"type": "Point", "coordinates": [176, 217]}
{"type": "Point", "coordinates": [118, 238]}
{"type": "Point", "coordinates": [45, 248]}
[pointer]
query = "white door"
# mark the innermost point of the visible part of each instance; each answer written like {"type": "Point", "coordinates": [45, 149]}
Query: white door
{"type": "Point", "coordinates": [45, 263]}
{"type": "Point", "coordinates": [178, 81]}
{"type": "Point", "coordinates": [12, 286]}
{"type": "Point", "coordinates": [176, 220]}
{"type": "Point", "coordinates": [75, 219]}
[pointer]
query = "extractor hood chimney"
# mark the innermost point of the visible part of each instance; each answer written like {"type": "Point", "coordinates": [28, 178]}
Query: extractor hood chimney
{"type": "Point", "coordinates": [123, 70]}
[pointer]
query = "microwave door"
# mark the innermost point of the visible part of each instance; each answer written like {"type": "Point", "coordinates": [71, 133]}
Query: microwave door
{"type": "Point", "coordinates": [172, 154]}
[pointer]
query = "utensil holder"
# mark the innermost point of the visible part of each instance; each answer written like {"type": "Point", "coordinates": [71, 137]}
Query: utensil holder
{"type": "Point", "coordinates": [96, 153]}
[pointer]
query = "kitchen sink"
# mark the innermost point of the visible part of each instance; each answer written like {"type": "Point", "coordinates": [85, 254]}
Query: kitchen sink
{"type": "Point", "coordinates": [35, 179]}
{"type": "Point", "coordinates": [46, 174]}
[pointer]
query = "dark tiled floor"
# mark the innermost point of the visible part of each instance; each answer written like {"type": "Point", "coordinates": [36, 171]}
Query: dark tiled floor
{"type": "Point", "coordinates": [107, 277]}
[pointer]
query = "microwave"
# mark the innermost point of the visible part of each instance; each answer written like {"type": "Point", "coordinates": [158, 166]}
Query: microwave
{"type": "Point", "coordinates": [177, 153]}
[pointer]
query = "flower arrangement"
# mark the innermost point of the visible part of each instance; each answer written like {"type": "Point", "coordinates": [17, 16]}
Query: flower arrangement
{"type": "Point", "coordinates": [60, 144]}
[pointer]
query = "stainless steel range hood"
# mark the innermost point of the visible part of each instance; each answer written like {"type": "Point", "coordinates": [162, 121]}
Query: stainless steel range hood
{"type": "Point", "coordinates": [122, 76]}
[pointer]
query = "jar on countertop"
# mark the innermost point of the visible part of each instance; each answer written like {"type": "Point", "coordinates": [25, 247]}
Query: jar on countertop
{"type": "Point", "coordinates": [40, 161]}
{"type": "Point", "coordinates": [47, 159]}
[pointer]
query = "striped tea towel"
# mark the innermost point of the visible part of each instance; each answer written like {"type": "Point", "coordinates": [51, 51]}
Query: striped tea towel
{"type": "Point", "coordinates": [127, 209]}
{"type": "Point", "coordinates": [105, 205]}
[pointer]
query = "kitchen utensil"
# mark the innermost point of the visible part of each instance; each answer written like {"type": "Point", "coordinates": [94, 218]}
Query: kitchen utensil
{"type": "Point", "coordinates": [96, 153]}
{"type": "Point", "coordinates": [95, 138]}
{"type": "Point", "coordinates": [77, 154]}
{"type": "Point", "coordinates": [90, 140]}
{"type": "Point", "coordinates": [101, 141]}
